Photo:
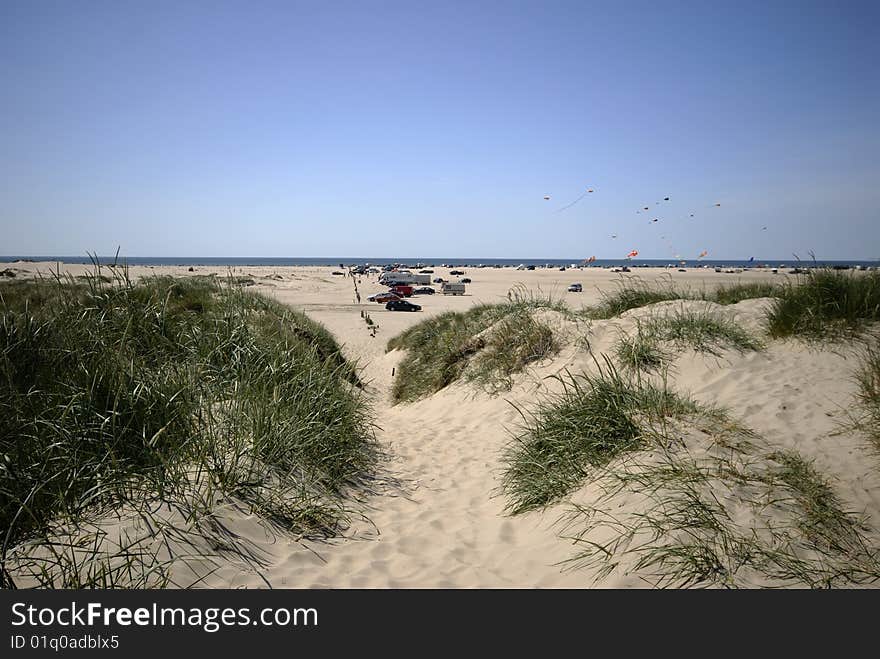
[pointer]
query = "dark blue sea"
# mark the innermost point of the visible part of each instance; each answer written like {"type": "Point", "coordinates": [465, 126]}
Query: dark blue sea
{"type": "Point", "coordinates": [453, 261]}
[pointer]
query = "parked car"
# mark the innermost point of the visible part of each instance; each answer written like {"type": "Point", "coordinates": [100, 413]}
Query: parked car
{"type": "Point", "coordinates": [456, 272]}
{"type": "Point", "coordinates": [403, 290]}
{"type": "Point", "coordinates": [426, 272]}
{"type": "Point", "coordinates": [575, 288]}
{"type": "Point", "coordinates": [383, 297]}
{"type": "Point", "coordinates": [336, 272]}
{"type": "Point", "coordinates": [438, 280]}
{"type": "Point", "coordinates": [402, 305]}
{"type": "Point", "coordinates": [424, 290]}
{"type": "Point", "coordinates": [465, 280]}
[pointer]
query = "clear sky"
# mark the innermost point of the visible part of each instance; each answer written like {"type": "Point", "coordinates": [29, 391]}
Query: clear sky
{"type": "Point", "coordinates": [437, 128]}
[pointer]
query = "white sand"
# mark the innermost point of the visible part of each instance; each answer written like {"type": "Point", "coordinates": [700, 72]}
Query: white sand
{"type": "Point", "coordinates": [443, 524]}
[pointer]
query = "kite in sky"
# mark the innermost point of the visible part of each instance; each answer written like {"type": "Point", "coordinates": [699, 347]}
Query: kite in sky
{"type": "Point", "coordinates": [589, 190]}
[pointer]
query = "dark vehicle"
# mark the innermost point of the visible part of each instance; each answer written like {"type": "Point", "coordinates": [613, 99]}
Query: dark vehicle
{"type": "Point", "coordinates": [456, 272]}
{"type": "Point", "coordinates": [530, 267]}
{"type": "Point", "coordinates": [336, 272]}
{"type": "Point", "coordinates": [402, 305]}
{"type": "Point", "coordinates": [465, 280]}
{"type": "Point", "coordinates": [424, 290]}
{"type": "Point", "coordinates": [438, 280]}
{"type": "Point", "coordinates": [426, 272]}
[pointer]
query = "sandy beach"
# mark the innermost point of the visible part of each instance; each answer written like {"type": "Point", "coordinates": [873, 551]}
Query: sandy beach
{"type": "Point", "coordinates": [437, 518]}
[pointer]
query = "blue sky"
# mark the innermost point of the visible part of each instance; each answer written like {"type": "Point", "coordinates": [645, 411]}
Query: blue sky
{"type": "Point", "coordinates": [437, 128]}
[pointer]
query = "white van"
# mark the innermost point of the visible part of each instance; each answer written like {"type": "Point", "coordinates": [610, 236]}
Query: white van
{"type": "Point", "coordinates": [448, 288]}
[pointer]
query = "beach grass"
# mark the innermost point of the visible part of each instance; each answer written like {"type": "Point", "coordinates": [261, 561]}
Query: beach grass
{"type": "Point", "coordinates": [735, 293]}
{"type": "Point", "coordinates": [640, 352]}
{"type": "Point", "coordinates": [822, 520]}
{"type": "Point", "coordinates": [868, 381]}
{"type": "Point", "coordinates": [115, 394]}
{"type": "Point", "coordinates": [826, 305]}
{"type": "Point", "coordinates": [516, 341]}
{"type": "Point", "coordinates": [720, 512]}
{"type": "Point", "coordinates": [486, 344]}
{"type": "Point", "coordinates": [591, 421]}
{"type": "Point", "coordinates": [658, 338]}
{"type": "Point", "coordinates": [633, 293]}
{"type": "Point", "coordinates": [702, 331]}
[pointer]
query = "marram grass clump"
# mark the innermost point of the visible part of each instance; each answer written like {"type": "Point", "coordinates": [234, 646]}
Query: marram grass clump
{"type": "Point", "coordinates": [826, 304]}
{"type": "Point", "coordinates": [634, 293]}
{"type": "Point", "coordinates": [702, 331]}
{"type": "Point", "coordinates": [486, 344]}
{"type": "Point", "coordinates": [515, 342]}
{"type": "Point", "coordinates": [116, 394]}
{"type": "Point", "coordinates": [657, 339]}
{"type": "Point", "coordinates": [640, 352]}
{"type": "Point", "coordinates": [591, 421]}
{"type": "Point", "coordinates": [868, 380]}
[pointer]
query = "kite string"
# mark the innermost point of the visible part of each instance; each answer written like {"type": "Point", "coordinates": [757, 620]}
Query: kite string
{"type": "Point", "coordinates": [573, 203]}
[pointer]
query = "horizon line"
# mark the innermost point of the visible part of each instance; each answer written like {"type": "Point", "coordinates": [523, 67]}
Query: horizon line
{"type": "Point", "coordinates": [426, 258]}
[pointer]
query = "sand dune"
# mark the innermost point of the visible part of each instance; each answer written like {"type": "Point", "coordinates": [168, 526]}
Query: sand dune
{"type": "Point", "coordinates": [438, 519]}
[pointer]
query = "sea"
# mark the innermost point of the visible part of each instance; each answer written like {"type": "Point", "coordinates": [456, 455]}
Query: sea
{"type": "Point", "coordinates": [344, 261]}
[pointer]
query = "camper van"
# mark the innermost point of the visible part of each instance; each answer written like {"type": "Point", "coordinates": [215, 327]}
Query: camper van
{"type": "Point", "coordinates": [448, 288]}
{"type": "Point", "coordinates": [404, 277]}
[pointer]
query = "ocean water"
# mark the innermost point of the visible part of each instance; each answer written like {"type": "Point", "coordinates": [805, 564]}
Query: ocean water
{"type": "Point", "coordinates": [335, 261]}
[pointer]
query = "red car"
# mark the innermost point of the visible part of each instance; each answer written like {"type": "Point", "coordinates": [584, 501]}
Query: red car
{"type": "Point", "coordinates": [382, 298]}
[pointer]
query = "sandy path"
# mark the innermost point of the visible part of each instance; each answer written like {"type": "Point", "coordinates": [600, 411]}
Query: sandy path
{"type": "Point", "coordinates": [442, 524]}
